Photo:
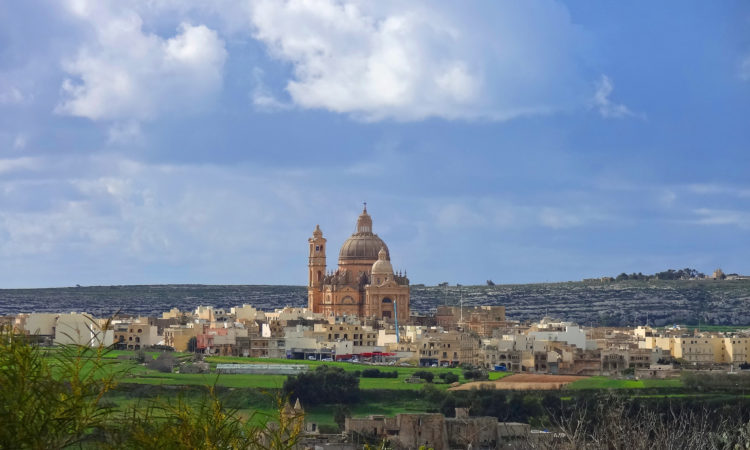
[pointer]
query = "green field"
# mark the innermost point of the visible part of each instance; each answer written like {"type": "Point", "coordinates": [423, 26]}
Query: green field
{"type": "Point", "coordinates": [612, 383]}
{"type": "Point", "coordinates": [129, 371]}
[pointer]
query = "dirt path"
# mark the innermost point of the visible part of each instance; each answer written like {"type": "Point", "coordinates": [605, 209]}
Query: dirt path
{"type": "Point", "coordinates": [522, 382]}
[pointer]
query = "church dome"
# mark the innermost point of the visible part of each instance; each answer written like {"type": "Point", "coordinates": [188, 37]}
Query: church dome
{"type": "Point", "coordinates": [382, 266]}
{"type": "Point", "coordinates": [363, 245]}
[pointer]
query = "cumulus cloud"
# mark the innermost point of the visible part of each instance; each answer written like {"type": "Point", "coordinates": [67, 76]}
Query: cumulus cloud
{"type": "Point", "coordinates": [390, 60]}
{"type": "Point", "coordinates": [125, 73]}
{"type": "Point", "coordinates": [607, 108]}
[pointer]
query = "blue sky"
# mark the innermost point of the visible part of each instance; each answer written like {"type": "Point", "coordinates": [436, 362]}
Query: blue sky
{"type": "Point", "coordinates": [201, 142]}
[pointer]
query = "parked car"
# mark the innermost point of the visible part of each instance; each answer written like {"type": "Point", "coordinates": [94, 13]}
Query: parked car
{"type": "Point", "coordinates": [327, 359]}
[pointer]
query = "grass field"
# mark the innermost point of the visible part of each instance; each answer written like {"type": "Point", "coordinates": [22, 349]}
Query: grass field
{"type": "Point", "coordinates": [129, 371]}
{"type": "Point", "coordinates": [611, 383]}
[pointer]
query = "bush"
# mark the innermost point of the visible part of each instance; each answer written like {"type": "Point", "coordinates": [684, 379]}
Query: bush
{"type": "Point", "coordinates": [165, 362]}
{"type": "Point", "coordinates": [50, 399]}
{"type": "Point", "coordinates": [340, 413]}
{"type": "Point", "coordinates": [53, 399]}
{"type": "Point", "coordinates": [325, 384]}
{"type": "Point", "coordinates": [448, 377]}
{"type": "Point", "coordinates": [475, 374]}
{"type": "Point", "coordinates": [376, 373]}
{"type": "Point", "coordinates": [425, 375]}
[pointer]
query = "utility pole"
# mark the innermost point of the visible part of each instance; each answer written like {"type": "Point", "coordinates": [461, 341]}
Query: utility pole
{"type": "Point", "coordinates": [462, 305]}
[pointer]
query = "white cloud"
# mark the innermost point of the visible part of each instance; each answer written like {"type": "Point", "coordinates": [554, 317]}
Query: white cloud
{"type": "Point", "coordinates": [745, 69]}
{"type": "Point", "coordinates": [263, 98]}
{"type": "Point", "coordinates": [19, 143]}
{"type": "Point", "coordinates": [606, 107]}
{"type": "Point", "coordinates": [719, 189]}
{"type": "Point", "coordinates": [10, 95]}
{"type": "Point", "coordinates": [127, 132]}
{"type": "Point", "coordinates": [708, 216]}
{"type": "Point", "coordinates": [19, 164]}
{"type": "Point", "coordinates": [125, 73]}
{"type": "Point", "coordinates": [380, 60]}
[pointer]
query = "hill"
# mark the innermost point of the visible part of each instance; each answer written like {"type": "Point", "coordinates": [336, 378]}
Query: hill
{"type": "Point", "coordinates": [618, 303]}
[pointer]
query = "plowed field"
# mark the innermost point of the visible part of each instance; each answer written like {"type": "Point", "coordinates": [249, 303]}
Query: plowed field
{"type": "Point", "coordinates": [522, 382]}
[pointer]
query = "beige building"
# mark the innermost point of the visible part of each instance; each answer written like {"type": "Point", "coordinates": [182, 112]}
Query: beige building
{"type": "Point", "coordinates": [178, 336]}
{"type": "Point", "coordinates": [364, 284]}
{"type": "Point", "coordinates": [41, 324]}
{"type": "Point", "coordinates": [135, 335]}
{"type": "Point", "coordinates": [412, 431]}
{"type": "Point", "coordinates": [448, 348]}
{"type": "Point", "coordinates": [361, 336]}
{"type": "Point", "coordinates": [482, 320]}
{"type": "Point", "coordinates": [703, 348]}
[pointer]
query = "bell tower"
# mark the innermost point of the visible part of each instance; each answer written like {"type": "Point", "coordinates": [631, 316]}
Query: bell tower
{"type": "Point", "coordinates": [316, 269]}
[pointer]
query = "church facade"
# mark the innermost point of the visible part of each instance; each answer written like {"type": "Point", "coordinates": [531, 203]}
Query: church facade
{"type": "Point", "coordinates": [364, 284]}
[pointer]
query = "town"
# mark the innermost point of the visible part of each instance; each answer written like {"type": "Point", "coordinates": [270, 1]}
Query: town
{"type": "Point", "coordinates": [454, 336]}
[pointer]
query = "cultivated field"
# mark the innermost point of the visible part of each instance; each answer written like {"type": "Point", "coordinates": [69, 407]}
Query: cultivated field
{"type": "Point", "coordinates": [522, 382]}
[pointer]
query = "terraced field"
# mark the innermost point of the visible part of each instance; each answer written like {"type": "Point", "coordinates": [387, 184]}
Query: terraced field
{"type": "Point", "coordinates": [704, 302]}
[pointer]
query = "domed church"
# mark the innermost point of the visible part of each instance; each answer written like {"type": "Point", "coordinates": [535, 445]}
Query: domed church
{"type": "Point", "coordinates": [364, 284]}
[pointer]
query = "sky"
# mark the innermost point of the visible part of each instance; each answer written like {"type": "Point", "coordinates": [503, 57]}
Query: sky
{"type": "Point", "coordinates": [154, 142]}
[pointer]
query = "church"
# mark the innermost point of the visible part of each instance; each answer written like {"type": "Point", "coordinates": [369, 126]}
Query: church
{"type": "Point", "coordinates": [364, 284]}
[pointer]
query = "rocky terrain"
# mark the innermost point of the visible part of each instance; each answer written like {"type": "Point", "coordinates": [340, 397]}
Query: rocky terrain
{"type": "Point", "coordinates": [724, 302]}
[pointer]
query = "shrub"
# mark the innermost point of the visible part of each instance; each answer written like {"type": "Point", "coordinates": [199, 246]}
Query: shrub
{"type": "Point", "coordinates": [323, 385]}
{"type": "Point", "coordinates": [165, 362]}
{"type": "Point", "coordinates": [448, 377]}
{"type": "Point", "coordinates": [475, 374]}
{"type": "Point", "coordinates": [425, 375]}
{"type": "Point", "coordinates": [50, 399]}
{"type": "Point", "coordinates": [376, 373]}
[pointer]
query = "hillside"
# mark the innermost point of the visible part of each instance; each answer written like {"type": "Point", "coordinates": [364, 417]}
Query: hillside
{"type": "Point", "coordinates": [616, 303]}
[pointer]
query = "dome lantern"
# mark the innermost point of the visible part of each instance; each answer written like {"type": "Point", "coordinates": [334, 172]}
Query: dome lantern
{"type": "Point", "coordinates": [364, 222]}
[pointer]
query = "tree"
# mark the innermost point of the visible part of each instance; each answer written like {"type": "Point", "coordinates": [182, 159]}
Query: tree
{"type": "Point", "coordinates": [325, 384]}
{"type": "Point", "coordinates": [340, 413]}
{"type": "Point", "coordinates": [192, 344]}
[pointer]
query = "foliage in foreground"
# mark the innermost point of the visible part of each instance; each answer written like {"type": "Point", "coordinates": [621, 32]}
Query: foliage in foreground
{"type": "Point", "coordinates": [57, 401]}
{"type": "Point", "coordinates": [50, 403]}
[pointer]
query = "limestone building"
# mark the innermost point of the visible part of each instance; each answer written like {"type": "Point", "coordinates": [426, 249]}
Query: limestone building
{"type": "Point", "coordinates": [364, 284]}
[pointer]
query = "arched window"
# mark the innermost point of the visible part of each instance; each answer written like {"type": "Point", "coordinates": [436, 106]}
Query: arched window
{"type": "Point", "coordinates": [387, 300]}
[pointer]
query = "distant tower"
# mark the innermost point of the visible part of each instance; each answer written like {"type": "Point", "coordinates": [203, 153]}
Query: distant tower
{"type": "Point", "coordinates": [316, 266]}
